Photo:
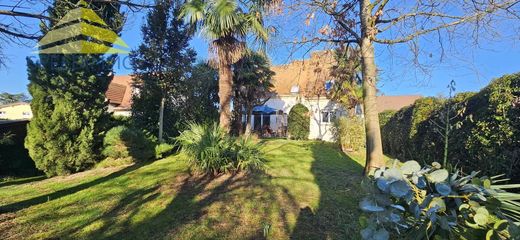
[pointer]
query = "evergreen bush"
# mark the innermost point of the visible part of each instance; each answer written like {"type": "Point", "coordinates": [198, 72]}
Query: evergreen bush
{"type": "Point", "coordinates": [68, 103]}
{"type": "Point", "coordinates": [126, 145]}
{"type": "Point", "coordinates": [299, 122]}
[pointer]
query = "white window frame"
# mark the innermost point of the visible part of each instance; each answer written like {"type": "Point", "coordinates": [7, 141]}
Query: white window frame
{"type": "Point", "coordinates": [331, 114]}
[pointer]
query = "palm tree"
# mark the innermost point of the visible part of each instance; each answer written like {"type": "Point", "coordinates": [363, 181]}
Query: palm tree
{"type": "Point", "coordinates": [226, 24]}
{"type": "Point", "coordinates": [252, 85]}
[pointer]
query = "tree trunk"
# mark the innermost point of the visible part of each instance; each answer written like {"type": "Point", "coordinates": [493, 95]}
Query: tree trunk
{"type": "Point", "coordinates": [225, 87]}
{"type": "Point", "coordinates": [374, 148]}
{"type": "Point", "coordinates": [249, 111]}
{"type": "Point", "coordinates": [161, 119]}
{"type": "Point", "coordinates": [238, 116]}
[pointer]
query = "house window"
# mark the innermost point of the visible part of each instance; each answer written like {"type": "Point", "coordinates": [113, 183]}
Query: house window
{"type": "Point", "coordinates": [328, 116]}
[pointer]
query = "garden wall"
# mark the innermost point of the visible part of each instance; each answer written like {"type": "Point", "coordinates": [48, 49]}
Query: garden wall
{"type": "Point", "coordinates": [485, 130]}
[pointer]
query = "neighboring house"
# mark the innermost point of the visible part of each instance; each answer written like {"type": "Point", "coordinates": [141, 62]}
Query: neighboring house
{"type": "Point", "coordinates": [119, 96]}
{"type": "Point", "coordinates": [395, 103]}
{"type": "Point", "coordinates": [16, 111]}
{"type": "Point", "coordinates": [307, 82]}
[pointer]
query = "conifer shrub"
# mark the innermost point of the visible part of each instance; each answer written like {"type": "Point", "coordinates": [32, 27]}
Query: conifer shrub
{"type": "Point", "coordinates": [299, 122]}
{"type": "Point", "coordinates": [125, 145]}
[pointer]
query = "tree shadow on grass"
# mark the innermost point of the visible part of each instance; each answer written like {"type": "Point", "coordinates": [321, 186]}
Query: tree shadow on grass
{"type": "Point", "coordinates": [22, 181]}
{"type": "Point", "coordinates": [188, 205]}
{"type": "Point", "coordinates": [338, 177]}
{"type": "Point", "coordinates": [13, 207]}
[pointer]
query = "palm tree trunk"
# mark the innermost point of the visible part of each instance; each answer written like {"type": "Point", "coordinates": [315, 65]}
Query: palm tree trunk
{"type": "Point", "coordinates": [225, 87]}
{"type": "Point", "coordinates": [374, 148]}
{"type": "Point", "coordinates": [248, 120]}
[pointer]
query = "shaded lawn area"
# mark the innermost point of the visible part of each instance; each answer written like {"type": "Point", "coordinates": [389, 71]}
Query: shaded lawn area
{"type": "Point", "coordinates": [309, 191]}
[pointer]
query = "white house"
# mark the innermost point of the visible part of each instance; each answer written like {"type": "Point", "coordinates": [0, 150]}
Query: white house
{"type": "Point", "coordinates": [306, 82]}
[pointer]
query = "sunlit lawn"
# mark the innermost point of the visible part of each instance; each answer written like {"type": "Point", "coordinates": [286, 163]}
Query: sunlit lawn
{"type": "Point", "coordinates": [309, 191]}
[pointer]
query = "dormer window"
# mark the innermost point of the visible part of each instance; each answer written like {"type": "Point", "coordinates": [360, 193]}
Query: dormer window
{"type": "Point", "coordinates": [328, 85]}
{"type": "Point", "coordinates": [295, 89]}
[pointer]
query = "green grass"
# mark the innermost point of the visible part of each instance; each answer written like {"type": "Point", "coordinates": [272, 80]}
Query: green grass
{"type": "Point", "coordinates": [310, 191]}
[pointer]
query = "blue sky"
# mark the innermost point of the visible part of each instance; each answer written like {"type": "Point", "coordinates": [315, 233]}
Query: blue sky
{"type": "Point", "coordinates": [471, 67]}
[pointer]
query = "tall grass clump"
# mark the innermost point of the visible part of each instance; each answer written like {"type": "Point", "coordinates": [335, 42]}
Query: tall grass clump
{"type": "Point", "coordinates": [210, 149]}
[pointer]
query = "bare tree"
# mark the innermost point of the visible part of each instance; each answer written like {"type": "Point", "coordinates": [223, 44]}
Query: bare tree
{"type": "Point", "coordinates": [363, 23]}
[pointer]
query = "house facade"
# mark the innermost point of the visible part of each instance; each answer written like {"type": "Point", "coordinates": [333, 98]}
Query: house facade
{"type": "Point", "coordinates": [305, 82]}
{"type": "Point", "coordinates": [16, 111]}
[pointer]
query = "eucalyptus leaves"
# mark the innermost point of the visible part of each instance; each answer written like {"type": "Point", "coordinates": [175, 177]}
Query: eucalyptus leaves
{"type": "Point", "coordinates": [414, 202]}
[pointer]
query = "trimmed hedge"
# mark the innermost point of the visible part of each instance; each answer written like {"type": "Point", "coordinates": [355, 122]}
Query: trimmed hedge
{"type": "Point", "coordinates": [299, 122]}
{"type": "Point", "coordinates": [486, 130]}
{"type": "Point", "coordinates": [400, 130]}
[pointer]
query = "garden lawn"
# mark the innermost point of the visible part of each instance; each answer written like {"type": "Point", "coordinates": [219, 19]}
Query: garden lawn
{"type": "Point", "coordinates": [310, 191]}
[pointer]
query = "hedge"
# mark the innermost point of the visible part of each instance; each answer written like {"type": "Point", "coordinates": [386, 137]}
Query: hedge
{"type": "Point", "coordinates": [485, 130]}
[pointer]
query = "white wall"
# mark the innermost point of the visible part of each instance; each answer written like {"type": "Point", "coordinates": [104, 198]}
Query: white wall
{"type": "Point", "coordinates": [318, 129]}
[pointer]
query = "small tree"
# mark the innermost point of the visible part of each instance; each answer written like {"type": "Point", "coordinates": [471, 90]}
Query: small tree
{"type": "Point", "coordinates": [299, 122]}
{"type": "Point", "coordinates": [161, 65]}
{"type": "Point", "coordinates": [252, 85]}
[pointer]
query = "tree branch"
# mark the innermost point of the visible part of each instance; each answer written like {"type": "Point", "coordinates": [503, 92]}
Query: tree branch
{"type": "Point", "coordinates": [23, 14]}
{"type": "Point", "coordinates": [461, 20]}
{"type": "Point", "coordinates": [19, 35]}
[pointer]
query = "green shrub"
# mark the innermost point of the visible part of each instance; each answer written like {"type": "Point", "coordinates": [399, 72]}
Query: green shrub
{"type": "Point", "coordinates": [414, 202]}
{"type": "Point", "coordinates": [163, 150]}
{"type": "Point", "coordinates": [123, 145]}
{"type": "Point", "coordinates": [210, 149]}
{"type": "Point", "coordinates": [485, 130]}
{"type": "Point", "coordinates": [299, 122]}
{"type": "Point", "coordinates": [349, 133]}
